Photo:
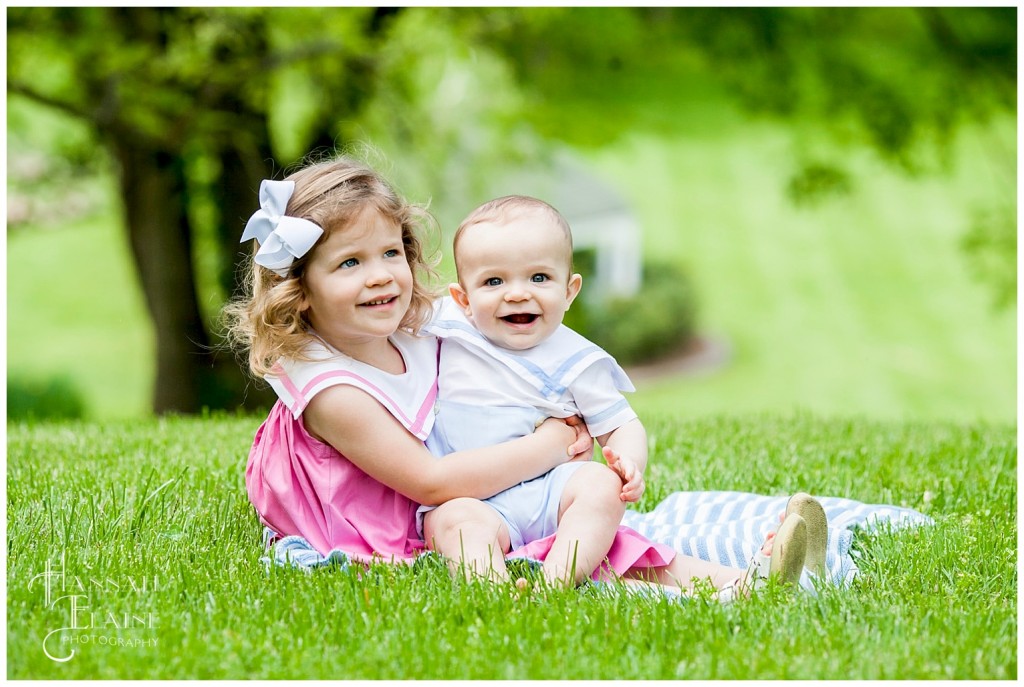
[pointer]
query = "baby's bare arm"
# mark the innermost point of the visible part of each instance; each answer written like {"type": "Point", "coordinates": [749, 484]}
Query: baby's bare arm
{"type": "Point", "coordinates": [629, 440]}
{"type": "Point", "coordinates": [625, 451]}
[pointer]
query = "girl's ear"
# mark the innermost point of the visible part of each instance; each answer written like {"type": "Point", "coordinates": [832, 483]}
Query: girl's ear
{"type": "Point", "coordinates": [303, 300]}
{"type": "Point", "coordinates": [460, 296]}
{"type": "Point", "coordinates": [573, 289]}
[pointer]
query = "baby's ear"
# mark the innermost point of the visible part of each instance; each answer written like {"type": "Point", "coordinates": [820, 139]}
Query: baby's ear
{"type": "Point", "coordinates": [460, 296]}
{"type": "Point", "coordinates": [573, 289]}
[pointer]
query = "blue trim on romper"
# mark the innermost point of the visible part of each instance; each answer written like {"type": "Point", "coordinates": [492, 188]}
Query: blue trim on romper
{"type": "Point", "coordinates": [552, 387]}
{"type": "Point", "coordinates": [575, 358]}
{"type": "Point", "coordinates": [607, 412]}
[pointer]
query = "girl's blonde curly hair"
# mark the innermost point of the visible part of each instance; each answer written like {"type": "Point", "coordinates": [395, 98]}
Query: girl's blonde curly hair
{"type": "Point", "coordinates": [268, 320]}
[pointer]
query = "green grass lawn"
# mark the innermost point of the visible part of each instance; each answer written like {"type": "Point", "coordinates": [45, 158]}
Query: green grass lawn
{"type": "Point", "coordinates": [152, 519]}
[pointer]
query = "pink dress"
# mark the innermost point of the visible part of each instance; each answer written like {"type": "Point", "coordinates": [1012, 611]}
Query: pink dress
{"type": "Point", "coordinates": [302, 486]}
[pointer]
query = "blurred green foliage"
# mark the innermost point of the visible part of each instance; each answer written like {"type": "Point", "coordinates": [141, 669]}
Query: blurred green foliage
{"type": "Point", "coordinates": [990, 244]}
{"type": "Point", "coordinates": [654, 322]}
{"type": "Point", "coordinates": [891, 77]}
{"type": "Point", "coordinates": [205, 101]}
{"type": "Point", "coordinates": [901, 81]}
{"type": "Point", "coordinates": [44, 399]}
{"type": "Point", "coordinates": [818, 182]}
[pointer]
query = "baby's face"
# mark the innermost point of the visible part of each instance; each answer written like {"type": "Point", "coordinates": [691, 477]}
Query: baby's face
{"type": "Point", "coordinates": [514, 280]}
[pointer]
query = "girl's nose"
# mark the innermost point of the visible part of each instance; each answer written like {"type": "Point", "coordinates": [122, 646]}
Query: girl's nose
{"type": "Point", "coordinates": [378, 276]}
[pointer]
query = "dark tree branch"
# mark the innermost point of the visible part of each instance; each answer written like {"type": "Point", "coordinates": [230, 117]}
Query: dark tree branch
{"type": "Point", "coordinates": [381, 17]}
{"type": "Point", "coordinates": [74, 109]}
{"type": "Point", "coordinates": [967, 58]}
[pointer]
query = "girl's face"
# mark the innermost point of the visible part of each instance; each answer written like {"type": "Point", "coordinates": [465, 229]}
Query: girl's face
{"type": "Point", "coordinates": [359, 284]}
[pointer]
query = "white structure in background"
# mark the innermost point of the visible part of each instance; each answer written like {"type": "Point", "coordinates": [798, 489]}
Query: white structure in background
{"type": "Point", "coordinates": [600, 218]}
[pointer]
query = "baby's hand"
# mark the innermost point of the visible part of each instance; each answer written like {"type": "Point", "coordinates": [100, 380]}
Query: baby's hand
{"type": "Point", "coordinates": [633, 484]}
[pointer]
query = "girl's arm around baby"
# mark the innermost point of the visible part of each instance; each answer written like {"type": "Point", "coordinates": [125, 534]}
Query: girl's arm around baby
{"type": "Point", "coordinates": [363, 431]}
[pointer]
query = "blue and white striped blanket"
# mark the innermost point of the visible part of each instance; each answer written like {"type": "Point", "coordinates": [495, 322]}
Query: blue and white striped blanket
{"type": "Point", "coordinates": [725, 527]}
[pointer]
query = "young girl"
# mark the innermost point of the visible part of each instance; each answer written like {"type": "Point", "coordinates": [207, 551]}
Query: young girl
{"type": "Point", "coordinates": [331, 322]}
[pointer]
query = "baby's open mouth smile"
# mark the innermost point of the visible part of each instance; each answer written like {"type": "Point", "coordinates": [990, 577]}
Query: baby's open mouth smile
{"type": "Point", "coordinates": [520, 318]}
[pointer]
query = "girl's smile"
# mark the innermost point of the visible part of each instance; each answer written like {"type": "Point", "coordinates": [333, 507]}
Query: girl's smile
{"type": "Point", "coordinates": [380, 302]}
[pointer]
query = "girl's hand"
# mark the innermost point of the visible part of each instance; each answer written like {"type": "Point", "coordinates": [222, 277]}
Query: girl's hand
{"type": "Point", "coordinates": [559, 431]}
{"type": "Point", "coordinates": [633, 484]}
{"type": "Point", "coordinates": [583, 448]}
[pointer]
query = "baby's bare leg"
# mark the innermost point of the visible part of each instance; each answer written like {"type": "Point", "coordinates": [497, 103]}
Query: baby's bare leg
{"type": "Point", "coordinates": [589, 513]}
{"type": "Point", "coordinates": [471, 536]}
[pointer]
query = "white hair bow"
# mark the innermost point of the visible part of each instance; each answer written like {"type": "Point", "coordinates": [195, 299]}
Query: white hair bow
{"type": "Point", "coordinates": [282, 238]}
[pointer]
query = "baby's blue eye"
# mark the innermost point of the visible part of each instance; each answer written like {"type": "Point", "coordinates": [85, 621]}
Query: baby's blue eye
{"type": "Point", "coordinates": [351, 262]}
{"type": "Point", "coordinates": [393, 253]}
{"type": "Point", "coordinates": [539, 278]}
{"type": "Point", "coordinates": [493, 281]}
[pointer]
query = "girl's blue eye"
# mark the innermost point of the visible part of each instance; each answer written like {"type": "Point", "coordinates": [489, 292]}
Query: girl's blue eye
{"type": "Point", "coordinates": [493, 281]}
{"type": "Point", "coordinates": [393, 253]}
{"type": "Point", "coordinates": [539, 278]}
{"type": "Point", "coordinates": [351, 262]}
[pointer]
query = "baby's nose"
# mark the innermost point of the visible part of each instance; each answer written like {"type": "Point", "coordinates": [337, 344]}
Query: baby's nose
{"type": "Point", "coordinates": [515, 295]}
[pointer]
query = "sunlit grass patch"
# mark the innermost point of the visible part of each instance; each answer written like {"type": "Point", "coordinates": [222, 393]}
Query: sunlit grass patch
{"type": "Point", "coordinates": [151, 519]}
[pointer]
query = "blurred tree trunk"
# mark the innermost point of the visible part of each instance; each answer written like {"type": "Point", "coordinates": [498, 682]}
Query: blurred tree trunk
{"type": "Point", "coordinates": [154, 194]}
{"type": "Point", "coordinates": [236, 196]}
{"type": "Point", "coordinates": [192, 370]}
{"type": "Point", "coordinates": [191, 374]}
